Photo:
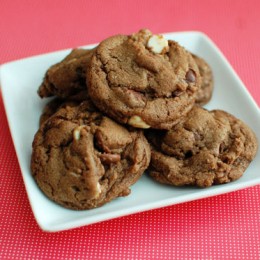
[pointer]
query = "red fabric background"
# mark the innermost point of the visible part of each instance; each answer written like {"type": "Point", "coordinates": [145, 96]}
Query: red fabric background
{"type": "Point", "coordinates": [222, 227]}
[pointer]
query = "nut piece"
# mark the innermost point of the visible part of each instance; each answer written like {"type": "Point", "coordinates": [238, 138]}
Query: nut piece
{"type": "Point", "coordinates": [137, 121]}
{"type": "Point", "coordinates": [98, 188]}
{"type": "Point", "coordinates": [158, 44]}
{"type": "Point", "coordinates": [98, 191]}
{"type": "Point", "coordinates": [76, 132]}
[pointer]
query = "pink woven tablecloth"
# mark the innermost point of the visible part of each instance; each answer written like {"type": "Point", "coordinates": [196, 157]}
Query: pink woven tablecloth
{"type": "Point", "coordinates": [221, 227]}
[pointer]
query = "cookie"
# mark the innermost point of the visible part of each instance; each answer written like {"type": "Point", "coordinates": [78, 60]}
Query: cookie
{"type": "Point", "coordinates": [143, 80]}
{"type": "Point", "coordinates": [208, 147]}
{"type": "Point", "coordinates": [57, 103]}
{"type": "Point", "coordinates": [204, 94]}
{"type": "Point", "coordinates": [82, 159]}
{"type": "Point", "coordinates": [67, 77]}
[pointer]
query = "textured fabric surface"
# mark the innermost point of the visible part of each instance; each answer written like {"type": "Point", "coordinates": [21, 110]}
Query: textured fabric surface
{"type": "Point", "coordinates": [221, 227]}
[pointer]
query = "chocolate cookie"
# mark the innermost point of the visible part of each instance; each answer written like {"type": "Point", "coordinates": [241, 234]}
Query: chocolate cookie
{"type": "Point", "coordinates": [57, 103]}
{"type": "Point", "coordinates": [143, 80]}
{"type": "Point", "coordinates": [206, 148]}
{"type": "Point", "coordinates": [67, 77]}
{"type": "Point", "coordinates": [82, 159]}
{"type": "Point", "coordinates": [204, 94]}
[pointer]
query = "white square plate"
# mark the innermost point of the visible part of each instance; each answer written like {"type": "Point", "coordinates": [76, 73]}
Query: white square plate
{"type": "Point", "coordinates": [20, 80]}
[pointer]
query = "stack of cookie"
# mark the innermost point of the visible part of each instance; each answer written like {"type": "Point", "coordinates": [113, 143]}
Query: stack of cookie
{"type": "Point", "coordinates": [133, 103]}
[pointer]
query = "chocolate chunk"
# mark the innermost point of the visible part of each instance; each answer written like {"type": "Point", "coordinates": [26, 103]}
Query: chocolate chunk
{"type": "Point", "coordinates": [190, 76]}
{"type": "Point", "coordinates": [109, 158]}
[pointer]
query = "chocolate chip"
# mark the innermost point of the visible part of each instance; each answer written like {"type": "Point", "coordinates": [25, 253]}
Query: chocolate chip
{"type": "Point", "coordinates": [100, 142]}
{"type": "Point", "coordinates": [177, 93]}
{"type": "Point", "coordinates": [137, 95]}
{"type": "Point", "coordinates": [135, 98]}
{"type": "Point", "coordinates": [190, 76]}
{"type": "Point", "coordinates": [108, 158]}
{"type": "Point", "coordinates": [188, 154]}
